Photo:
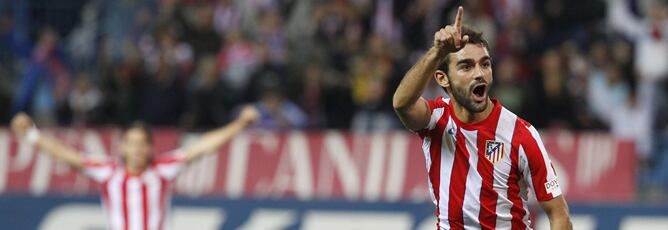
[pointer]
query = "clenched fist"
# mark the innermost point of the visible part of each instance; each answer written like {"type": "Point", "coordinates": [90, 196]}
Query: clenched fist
{"type": "Point", "coordinates": [248, 115]}
{"type": "Point", "coordinates": [450, 39]}
{"type": "Point", "coordinates": [20, 124]}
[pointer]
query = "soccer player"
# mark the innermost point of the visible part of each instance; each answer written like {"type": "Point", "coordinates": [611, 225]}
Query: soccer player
{"type": "Point", "coordinates": [135, 191]}
{"type": "Point", "coordinates": [481, 158]}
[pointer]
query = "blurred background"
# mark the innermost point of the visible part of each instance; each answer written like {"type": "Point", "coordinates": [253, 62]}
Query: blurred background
{"type": "Point", "coordinates": [589, 74]}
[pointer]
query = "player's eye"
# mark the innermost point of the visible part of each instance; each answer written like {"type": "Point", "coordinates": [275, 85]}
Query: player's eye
{"type": "Point", "coordinates": [466, 67]}
{"type": "Point", "coordinates": [486, 64]}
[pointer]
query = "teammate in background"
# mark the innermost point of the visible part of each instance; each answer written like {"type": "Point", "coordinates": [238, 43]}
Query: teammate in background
{"type": "Point", "coordinates": [481, 158]}
{"type": "Point", "coordinates": [135, 192]}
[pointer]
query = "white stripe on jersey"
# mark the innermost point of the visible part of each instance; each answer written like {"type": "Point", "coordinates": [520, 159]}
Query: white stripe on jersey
{"type": "Point", "coordinates": [153, 185]}
{"type": "Point", "coordinates": [471, 206]}
{"type": "Point", "coordinates": [504, 132]}
{"type": "Point", "coordinates": [524, 164]}
{"type": "Point", "coordinates": [435, 116]}
{"type": "Point", "coordinates": [447, 160]}
{"type": "Point", "coordinates": [426, 143]}
{"type": "Point", "coordinates": [134, 203]}
{"type": "Point", "coordinates": [115, 199]}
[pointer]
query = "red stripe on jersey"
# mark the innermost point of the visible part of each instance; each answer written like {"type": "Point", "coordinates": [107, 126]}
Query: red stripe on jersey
{"type": "Point", "coordinates": [536, 162]}
{"type": "Point", "coordinates": [488, 196]}
{"type": "Point", "coordinates": [458, 176]}
{"type": "Point", "coordinates": [435, 167]}
{"type": "Point", "coordinates": [124, 197]}
{"type": "Point", "coordinates": [517, 210]}
{"type": "Point", "coordinates": [145, 213]}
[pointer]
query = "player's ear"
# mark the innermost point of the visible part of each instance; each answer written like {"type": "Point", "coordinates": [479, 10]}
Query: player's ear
{"type": "Point", "coordinates": [442, 79]}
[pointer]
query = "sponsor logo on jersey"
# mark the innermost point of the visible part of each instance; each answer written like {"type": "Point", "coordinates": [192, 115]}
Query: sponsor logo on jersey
{"type": "Point", "coordinates": [551, 185]}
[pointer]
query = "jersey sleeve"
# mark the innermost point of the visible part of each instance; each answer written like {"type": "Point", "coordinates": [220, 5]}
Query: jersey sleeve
{"type": "Point", "coordinates": [97, 170]}
{"type": "Point", "coordinates": [536, 166]}
{"type": "Point", "coordinates": [170, 166]}
{"type": "Point", "coordinates": [437, 108]}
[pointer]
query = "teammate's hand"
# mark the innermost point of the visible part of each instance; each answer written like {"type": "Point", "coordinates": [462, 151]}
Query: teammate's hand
{"type": "Point", "coordinates": [248, 115]}
{"type": "Point", "coordinates": [449, 39]}
{"type": "Point", "coordinates": [20, 124]}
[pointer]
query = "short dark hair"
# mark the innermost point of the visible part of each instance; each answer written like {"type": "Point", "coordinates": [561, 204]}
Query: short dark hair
{"type": "Point", "coordinates": [475, 37]}
{"type": "Point", "coordinates": [143, 126]}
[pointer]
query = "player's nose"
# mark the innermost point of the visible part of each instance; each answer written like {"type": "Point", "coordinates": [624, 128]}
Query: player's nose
{"type": "Point", "coordinates": [478, 73]}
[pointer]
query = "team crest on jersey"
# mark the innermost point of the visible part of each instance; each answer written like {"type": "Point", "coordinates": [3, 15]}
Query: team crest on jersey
{"type": "Point", "coordinates": [494, 151]}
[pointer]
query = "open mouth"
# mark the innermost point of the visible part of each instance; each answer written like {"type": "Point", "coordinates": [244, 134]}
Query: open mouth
{"type": "Point", "coordinates": [479, 92]}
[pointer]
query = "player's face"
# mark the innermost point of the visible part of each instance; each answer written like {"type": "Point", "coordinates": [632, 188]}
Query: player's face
{"type": "Point", "coordinates": [470, 77]}
{"type": "Point", "coordinates": [136, 148]}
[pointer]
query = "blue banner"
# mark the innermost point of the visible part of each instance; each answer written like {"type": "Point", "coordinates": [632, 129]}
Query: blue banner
{"type": "Point", "coordinates": [62, 212]}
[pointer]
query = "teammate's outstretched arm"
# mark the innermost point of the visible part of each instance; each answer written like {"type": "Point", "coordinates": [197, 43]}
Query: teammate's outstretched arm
{"type": "Point", "coordinates": [557, 211]}
{"type": "Point", "coordinates": [23, 127]}
{"type": "Point", "coordinates": [409, 106]}
{"type": "Point", "coordinates": [212, 140]}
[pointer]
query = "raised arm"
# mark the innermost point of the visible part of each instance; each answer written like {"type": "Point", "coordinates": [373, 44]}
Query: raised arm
{"type": "Point", "coordinates": [622, 20]}
{"type": "Point", "coordinates": [23, 127]}
{"type": "Point", "coordinates": [409, 106]}
{"type": "Point", "coordinates": [557, 212]}
{"type": "Point", "coordinates": [212, 140]}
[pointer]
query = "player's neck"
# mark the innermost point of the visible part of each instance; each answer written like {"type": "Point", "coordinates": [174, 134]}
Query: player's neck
{"type": "Point", "coordinates": [134, 171]}
{"type": "Point", "coordinates": [467, 117]}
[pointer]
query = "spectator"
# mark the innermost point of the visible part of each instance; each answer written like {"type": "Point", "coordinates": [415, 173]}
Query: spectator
{"type": "Point", "coordinates": [311, 89]}
{"type": "Point", "coordinates": [369, 88]}
{"type": "Point", "coordinates": [270, 33]}
{"type": "Point", "coordinates": [169, 52]}
{"type": "Point", "coordinates": [45, 81]}
{"type": "Point", "coordinates": [226, 16]}
{"type": "Point", "coordinates": [607, 91]}
{"type": "Point", "coordinates": [629, 123]}
{"type": "Point", "coordinates": [84, 99]}
{"type": "Point", "coordinates": [81, 42]}
{"type": "Point", "coordinates": [163, 94]}
{"type": "Point", "coordinates": [209, 101]}
{"type": "Point", "coordinates": [278, 113]}
{"type": "Point", "coordinates": [650, 35]}
{"type": "Point", "coordinates": [507, 88]}
{"type": "Point", "coordinates": [200, 33]}
{"type": "Point", "coordinates": [549, 103]}
{"type": "Point", "coordinates": [237, 60]}
{"type": "Point", "coordinates": [120, 85]}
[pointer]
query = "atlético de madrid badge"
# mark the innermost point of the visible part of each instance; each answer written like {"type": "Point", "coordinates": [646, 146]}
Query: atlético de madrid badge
{"type": "Point", "coordinates": [494, 151]}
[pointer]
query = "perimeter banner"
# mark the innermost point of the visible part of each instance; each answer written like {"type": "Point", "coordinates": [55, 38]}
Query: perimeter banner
{"type": "Point", "coordinates": [383, 166]}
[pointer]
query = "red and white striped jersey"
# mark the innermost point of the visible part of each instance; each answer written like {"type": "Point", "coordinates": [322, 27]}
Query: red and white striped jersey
{"type": "Point", "coordinates": [134, 202]}
{"type": "Point", "coordinates": [480, 173]}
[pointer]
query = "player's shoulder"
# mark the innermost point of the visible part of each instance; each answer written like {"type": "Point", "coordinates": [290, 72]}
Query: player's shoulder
{"type": "Point", "coordinates": [438, 102]}
{"type": "Point", "coordinates": [90, 162]}
{"type": "Point", "coordinates": [525, 125]}
{"type": "Point", "coordinates": [171, 157]}
{"type": "Point", "coordinates": [527, 132]}
{"type": "Point", "coordinates": [510, 116]}
{"type": "Point", "coordinates": [521, 125]}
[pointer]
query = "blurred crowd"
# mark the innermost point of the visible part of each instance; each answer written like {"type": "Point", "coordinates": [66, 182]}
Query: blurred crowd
{"type": "Point", "coordinates": [315, 64]}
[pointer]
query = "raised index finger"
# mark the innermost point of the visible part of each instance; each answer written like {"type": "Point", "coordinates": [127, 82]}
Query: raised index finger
{"type": "Point", "coordinates": [458, 19]}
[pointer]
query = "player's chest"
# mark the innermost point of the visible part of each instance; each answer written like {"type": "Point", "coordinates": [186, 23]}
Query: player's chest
{"type": "Point", "coordinates": [486, 148]}
{"type": "Point", "coordinates": [146, 179]}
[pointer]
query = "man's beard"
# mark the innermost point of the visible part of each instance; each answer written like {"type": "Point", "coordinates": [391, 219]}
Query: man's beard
{"type": "Point", "coordinates": [464, 98]}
